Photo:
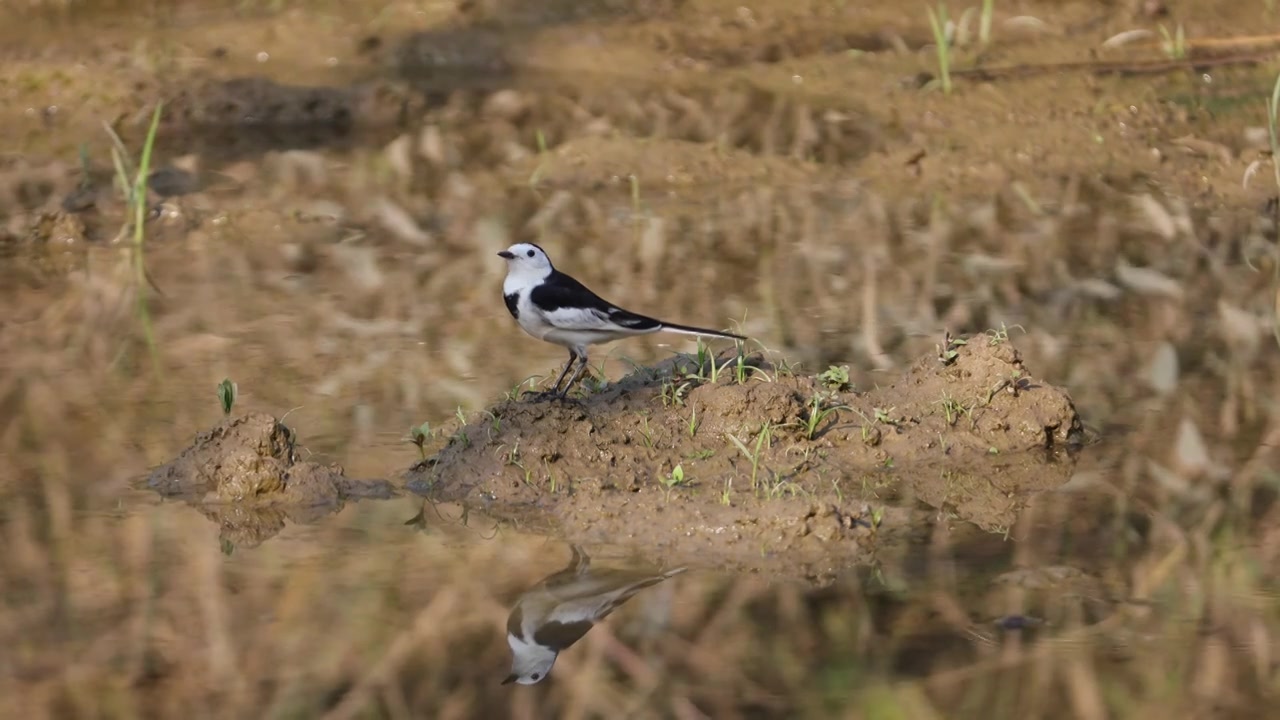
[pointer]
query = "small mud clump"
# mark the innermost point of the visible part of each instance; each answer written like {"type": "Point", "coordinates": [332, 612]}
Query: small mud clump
{"type": "Point", "coordinates": [251, 461]}
{"type": "Point", "coordinates": [261, 101]}
{"type": "Point", "coordinates": [748, 466]}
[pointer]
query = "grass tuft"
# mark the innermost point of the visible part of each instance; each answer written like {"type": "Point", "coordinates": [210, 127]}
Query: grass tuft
{"type": "Point", "coordinates": [764, 439]}
{"type": "Point", "coordinates": [938, 24]}
{"type": "Point", "coordinates": [134, 187]}
{"type": "Point", "coordinates": [1174, 45]}
{"type": "Point", "coordinates": [419, 435]}
{"type": "Point", "coordinates": [984, 24]}
{"type": "Point", "coordinates": [227, 392]}
{"type": "Point", "coordinates": [673, 480]}
{"type": "Point", "coordinates": [835, 378]}
{"type": "Point", "coordinates": [820, 408]}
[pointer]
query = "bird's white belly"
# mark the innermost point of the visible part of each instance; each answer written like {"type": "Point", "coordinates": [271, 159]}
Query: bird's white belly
{"type": "Point", "coordinates": [582, 338]}
{"type": "Point", "coordinates": [533, 321]}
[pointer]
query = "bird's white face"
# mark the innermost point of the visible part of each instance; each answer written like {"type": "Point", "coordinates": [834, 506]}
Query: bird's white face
{"type": "Point", "coordinates": [530, 662]}
{"type": "Point", "coordinates": [526, 260]}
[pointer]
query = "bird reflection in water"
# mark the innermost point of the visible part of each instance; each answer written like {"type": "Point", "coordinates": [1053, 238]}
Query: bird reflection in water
{"type": "Point", "coordinates": [560, 609]}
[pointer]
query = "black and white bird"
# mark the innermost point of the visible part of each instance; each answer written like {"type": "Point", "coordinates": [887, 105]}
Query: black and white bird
{"type": "Point", "coordinates": [560, 609]}
{"type": "Point", "coordinates": [554, 307]}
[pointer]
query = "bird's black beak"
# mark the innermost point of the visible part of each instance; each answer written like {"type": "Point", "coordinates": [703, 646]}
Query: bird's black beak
{"type": "Point", "coordinates": [510, 678]}
{"type": "Point", "coordinates": [505, 255]}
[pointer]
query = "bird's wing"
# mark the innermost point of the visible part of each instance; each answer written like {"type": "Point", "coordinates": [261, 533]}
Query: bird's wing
{"type": "Point", "coordinates": [599, 597]}
{"type": "Point", "coordinates": [558, 635]}
{"type": "Point", "coordinates": [537, 618]}
{"type": "Point", "coordinates": [577, 609]}
{"type": "Point", "coordinates": [570, 305]}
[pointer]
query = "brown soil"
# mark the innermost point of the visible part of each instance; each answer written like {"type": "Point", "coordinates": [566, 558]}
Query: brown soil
{"type": "Point", "coordinates": [973, 437]}
{"type": "Point", "coordinates": [245, 476]}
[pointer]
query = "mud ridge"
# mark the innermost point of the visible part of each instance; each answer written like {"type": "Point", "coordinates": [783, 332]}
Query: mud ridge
{"type": "Point", "coordinates": [762, 469]}
{"type": "Point", "coordinates": [727, 461]}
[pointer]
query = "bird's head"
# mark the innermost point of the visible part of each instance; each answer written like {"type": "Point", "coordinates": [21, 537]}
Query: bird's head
{"type": "Point", "coordinates": [530, 662]}
{"type": "Point", "coordinates": [526, 259]}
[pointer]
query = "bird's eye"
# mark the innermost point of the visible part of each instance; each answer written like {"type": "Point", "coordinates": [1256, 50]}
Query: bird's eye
{"type": "Point", "coordinates": [535, 676]}
{"type": "Point", "coordinates": [530, 253]}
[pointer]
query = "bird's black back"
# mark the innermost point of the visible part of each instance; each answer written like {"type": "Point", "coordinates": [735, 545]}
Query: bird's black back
{"type": "Point", "coordinates": [563, 291]}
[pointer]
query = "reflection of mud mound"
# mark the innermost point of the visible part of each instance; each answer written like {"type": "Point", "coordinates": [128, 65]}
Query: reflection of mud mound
{"type": "Point", "coordinates": [249, 527]}
{"type": "Point", "coordinates": [756, 477]}
{"type": "Point", "coordinates": [244, 475]}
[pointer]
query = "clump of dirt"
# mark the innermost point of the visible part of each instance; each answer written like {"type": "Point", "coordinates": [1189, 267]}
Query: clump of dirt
{"type": "Point", "coordinates": [250, 462]}
{"type": "Point", "coordinates": [760, 462]}
{"type": "Point", "coordinates": [250, 101]}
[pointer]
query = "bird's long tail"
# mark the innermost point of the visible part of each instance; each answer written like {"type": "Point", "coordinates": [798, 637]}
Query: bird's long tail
{"type": "Point", "coordinates": [630, 590]}
{"type": "Point", "coordinates": [688, 330]}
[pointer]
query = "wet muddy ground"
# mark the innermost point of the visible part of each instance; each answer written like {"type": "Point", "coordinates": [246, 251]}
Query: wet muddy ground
{"type": "Point", "coordinates": [331, 183]}
{"type": "Point", "coordinates": [760, 472]}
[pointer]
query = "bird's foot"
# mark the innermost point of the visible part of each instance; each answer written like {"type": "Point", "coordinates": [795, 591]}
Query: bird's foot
{"type": "Point", "coordinates": [547, 395]}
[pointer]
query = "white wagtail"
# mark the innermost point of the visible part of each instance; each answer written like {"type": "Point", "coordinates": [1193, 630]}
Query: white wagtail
{"type": "Point", "coordinates": [560, 609]}
{"type": "Point", "coordinates": [554, 307]}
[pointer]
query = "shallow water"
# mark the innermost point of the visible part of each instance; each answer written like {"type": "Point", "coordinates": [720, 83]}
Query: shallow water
{"type": "Point", "coordinates": [407, 603]}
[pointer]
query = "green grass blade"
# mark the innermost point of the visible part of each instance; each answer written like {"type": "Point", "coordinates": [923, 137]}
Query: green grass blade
{"type": "Point", "coordinates": [938, 23]}
{"type": "Point", "coordinates": [139, 206]}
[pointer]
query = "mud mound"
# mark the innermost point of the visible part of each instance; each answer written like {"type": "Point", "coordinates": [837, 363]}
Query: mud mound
{"type": "Point", "coordinates": [244, 474]}
{"type": "Point", "coordinates": [725, 466]}
{"type": "Point", "coordinates": [725, 462]}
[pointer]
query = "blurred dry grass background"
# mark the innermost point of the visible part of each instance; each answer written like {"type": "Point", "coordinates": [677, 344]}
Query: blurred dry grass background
{"type": "Point", "coordinates": [357, 288]}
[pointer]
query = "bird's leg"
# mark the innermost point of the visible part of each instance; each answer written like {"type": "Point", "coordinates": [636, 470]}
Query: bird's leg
{"type": "Point", "coordinates": [555, 389]}
{"type": "Point", "coordinates": [582, 367]}
{"type": "Point", "coordinates": [581, 561]}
